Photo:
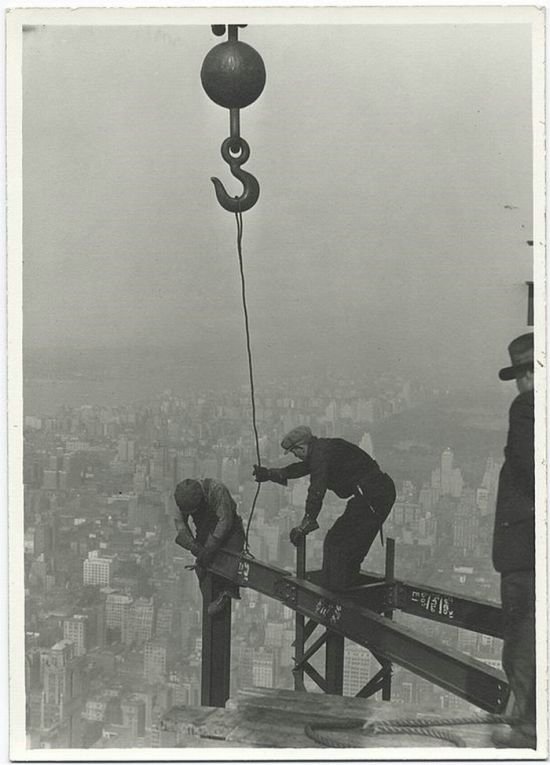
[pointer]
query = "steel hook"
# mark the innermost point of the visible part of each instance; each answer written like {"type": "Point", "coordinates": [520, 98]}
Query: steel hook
{"type": "Point", "coordinates": [251, 187]}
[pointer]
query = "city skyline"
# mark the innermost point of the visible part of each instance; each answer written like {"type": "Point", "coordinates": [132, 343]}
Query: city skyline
{"type": "Point", "coordinates": [112, 610]}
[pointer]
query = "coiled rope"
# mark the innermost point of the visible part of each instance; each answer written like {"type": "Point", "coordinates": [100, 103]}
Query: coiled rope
{"type": "Point", "coordinates": [239, 219]}
{"type": "Point", "coordinates": [322, 733]}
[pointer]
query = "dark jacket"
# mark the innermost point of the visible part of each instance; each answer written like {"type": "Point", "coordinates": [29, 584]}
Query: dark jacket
{"type": "Point", "coordinates": [333, 464]}
{"type": "Point", "coordinates": [216, 522]}
{"type": "Point", "coordinates": [217, 517]}
{"type": "Point", "coordinates": [514, 534]}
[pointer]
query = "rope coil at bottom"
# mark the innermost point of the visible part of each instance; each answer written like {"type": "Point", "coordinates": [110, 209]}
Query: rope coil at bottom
{"type": "Point", "coordinates": [322, 733]}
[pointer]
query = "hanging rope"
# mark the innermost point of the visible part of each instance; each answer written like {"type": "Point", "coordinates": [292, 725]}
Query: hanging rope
{"type": "Point", "coordinates": [323, 733]}
{"type": "Point", "coordinates": [239, 219]}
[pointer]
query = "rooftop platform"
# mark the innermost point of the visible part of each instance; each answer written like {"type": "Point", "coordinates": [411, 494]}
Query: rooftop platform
{"type": "Point", "coordinates": [262, 717]}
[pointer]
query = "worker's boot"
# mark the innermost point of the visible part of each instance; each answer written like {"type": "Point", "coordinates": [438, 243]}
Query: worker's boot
{"type": "Point", "coordinates": [515, 738]}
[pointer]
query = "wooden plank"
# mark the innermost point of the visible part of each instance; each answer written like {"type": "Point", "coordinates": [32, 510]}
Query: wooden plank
{"type": "Point", "coordinates": [284, 730]}
{"type": "Point", "coordinates": [219, 724]}
{"type": "Point", "coordinates": [305, 704]}
{"type": "Point", "coordinates": [286, 707]}
{"type": "Point", "coordinates": [265, 717]}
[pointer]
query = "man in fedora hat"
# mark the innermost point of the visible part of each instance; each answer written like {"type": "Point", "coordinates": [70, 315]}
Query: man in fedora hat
{"type": "Point", "coordinates": [212, 509]}
{"type": "Point", "coordinates": [514, 547]}
{"type": "Point", "coordinates": [352, 474]}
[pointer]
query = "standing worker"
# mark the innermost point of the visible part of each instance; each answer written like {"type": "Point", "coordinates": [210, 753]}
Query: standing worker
{"type": "Point", "coordinates": [213, 511]}
{"type": "Point", "coordinates": [514, 548]}
{"type": "Point", "coordinates": [349, 472]}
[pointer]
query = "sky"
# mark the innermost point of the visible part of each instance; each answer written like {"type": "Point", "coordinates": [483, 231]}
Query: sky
{"type": "Point", "coordinates": [395, 167]}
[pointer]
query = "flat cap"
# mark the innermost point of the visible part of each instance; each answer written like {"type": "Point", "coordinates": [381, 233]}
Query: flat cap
{"type": "Point", "coordinates": [296, 437]}
{"type": "Point", "coordinates": [188, 495]}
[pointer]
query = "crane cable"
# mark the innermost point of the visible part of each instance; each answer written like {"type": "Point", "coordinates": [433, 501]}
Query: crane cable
{"type": "Point", "coordinates": [239, 219]}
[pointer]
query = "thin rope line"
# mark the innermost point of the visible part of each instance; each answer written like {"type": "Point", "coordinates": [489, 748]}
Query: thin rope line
{"type": "Point", "coordinates": [239, 219]}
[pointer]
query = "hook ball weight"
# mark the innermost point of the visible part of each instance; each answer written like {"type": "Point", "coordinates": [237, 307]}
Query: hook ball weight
{"type": "Point", "coordinates": [233, 74]}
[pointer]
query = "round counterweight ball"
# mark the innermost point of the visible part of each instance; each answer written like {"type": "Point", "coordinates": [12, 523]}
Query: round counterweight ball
{"type": "Point", "coordinates": [233, 74]}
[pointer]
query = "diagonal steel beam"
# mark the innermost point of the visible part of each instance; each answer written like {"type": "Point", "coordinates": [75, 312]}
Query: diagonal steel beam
{"type": "Point", "coordinates": [309, 629]}
{"type": "Point", "coordinates": [375, 684]}
{"type": "Point", "coordinates": [313, 648]}
{"type": "Point", "coordinates": [450, 669]}
{"type": "Point", "coordinates": [315, 676]}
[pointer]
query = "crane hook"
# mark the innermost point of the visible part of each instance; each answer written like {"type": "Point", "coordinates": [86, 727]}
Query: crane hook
{"type": "Point", "coordinates": [251, 187]}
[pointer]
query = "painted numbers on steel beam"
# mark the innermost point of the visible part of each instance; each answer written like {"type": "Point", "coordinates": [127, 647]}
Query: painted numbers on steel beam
{"type": "Point", "coordinates": [449, 608]}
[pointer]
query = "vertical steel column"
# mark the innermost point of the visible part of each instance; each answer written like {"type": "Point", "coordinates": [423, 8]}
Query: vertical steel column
{"type": "Point", "coordinates": [389, 570]}
{"type": "Point", "coordinates": [299, 642]}
{"type": "Point", "coordinates": [334, 663]}
{"type": "Point", "coordinates": [216, 647]}
{"type": "Point", "coordinates": [389, 576]}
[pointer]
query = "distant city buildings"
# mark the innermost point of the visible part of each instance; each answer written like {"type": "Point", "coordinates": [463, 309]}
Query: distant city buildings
{"type": "Point", "coordinates": [358, 665]}
{"type": "Point", "coordinates": [112, 615]}
{"type": "Point", "coordinates": [76, 631]}
{"type": "Point", "coordinates": [97, 570]}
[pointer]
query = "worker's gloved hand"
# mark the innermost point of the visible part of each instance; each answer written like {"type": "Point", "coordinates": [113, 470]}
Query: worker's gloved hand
{"type": "Point", "coordinates": [296, 535]}
{"type": "Point", "coordinates": [261, 474]}
{"type": "Point", "coordinates": [186, 540]}
{"type": "Point", "coordinates": [307, 524]}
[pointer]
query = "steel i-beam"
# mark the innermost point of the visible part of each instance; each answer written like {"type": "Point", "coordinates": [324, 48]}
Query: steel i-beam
{"type": "Point", "coordinates": [466, 677]}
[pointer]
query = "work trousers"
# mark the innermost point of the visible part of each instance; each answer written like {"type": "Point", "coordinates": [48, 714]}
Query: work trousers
{"type": "Point", "coordinates": [350, 538]}
{"type": "Point", "coordinates": [517, 591]}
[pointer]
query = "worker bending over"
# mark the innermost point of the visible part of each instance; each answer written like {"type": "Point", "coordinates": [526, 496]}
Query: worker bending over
{"type": "Point", "coordinates": [349, 472]}
{"type": "Point", "coordinates": [213, 511]}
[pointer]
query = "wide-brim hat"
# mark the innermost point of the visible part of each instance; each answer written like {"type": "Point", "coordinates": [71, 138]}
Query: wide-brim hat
{"type": "Point", "coordinates": [296, 437]}
{"type": "Point", "coordinates": [521, 356]}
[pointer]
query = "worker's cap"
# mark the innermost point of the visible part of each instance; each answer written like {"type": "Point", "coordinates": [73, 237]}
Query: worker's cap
{"type": "Point", "coordinates": [188, 496]}
{"type": "Point", "coordinates": [297, 437]}
{"type": "Point", "coordinates": [521, 356]}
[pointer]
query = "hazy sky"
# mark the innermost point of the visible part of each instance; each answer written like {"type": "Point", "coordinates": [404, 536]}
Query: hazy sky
{"type": "Point", "coordinates": [385, 154]}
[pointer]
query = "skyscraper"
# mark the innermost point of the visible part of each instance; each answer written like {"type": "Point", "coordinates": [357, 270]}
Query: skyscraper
{"type": "Point", "coordinates": [263, 668]}
{"type": "Point", "coordinates": [133, 716]}
{"type": "Point", "coordinates": [76, 630]}
{"type": "Point", "coordinates": [117, 607]}
{"type": "Point", "coordinates": [138, 625]}
{"type": "Point", "coordinates": [446, 471]}
{"type": "Point", "coordinates": [97, 570]}
{"type": "Point", "coordinates": [61, 686]}
{"type": "Point", "coordinates": [155, 658]}
{"type": "Point", "coordinates": [357, 663]}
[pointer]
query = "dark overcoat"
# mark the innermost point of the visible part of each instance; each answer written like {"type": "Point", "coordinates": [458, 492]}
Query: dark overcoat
{"type": "Point", "coordinates": [514, 533]}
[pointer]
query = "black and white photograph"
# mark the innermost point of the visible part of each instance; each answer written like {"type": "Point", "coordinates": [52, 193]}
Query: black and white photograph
{"type": "Point", "coordinates": [276, 383]}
